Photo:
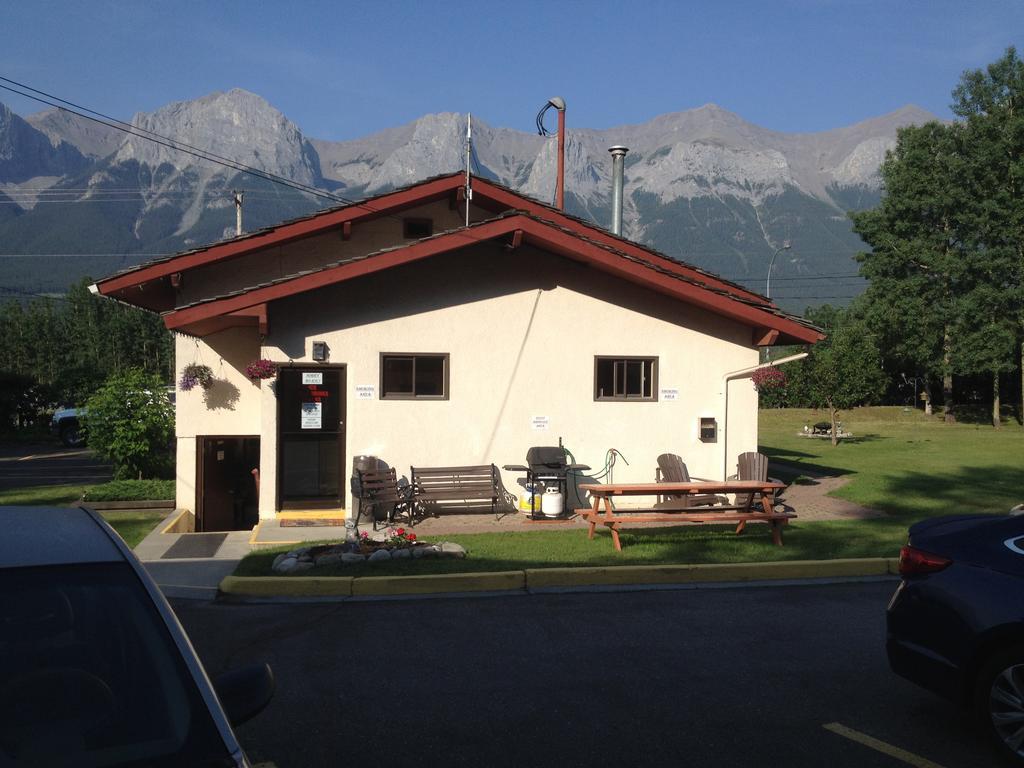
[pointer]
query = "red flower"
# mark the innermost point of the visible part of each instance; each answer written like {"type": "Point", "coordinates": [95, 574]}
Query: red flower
{"type": "Point", "coordinates": [400, 531]}
{"type": "Point", "coordinates": [411, 537]}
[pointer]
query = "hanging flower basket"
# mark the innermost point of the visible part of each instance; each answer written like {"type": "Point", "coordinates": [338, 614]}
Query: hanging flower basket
{"type": "Point", "coordinates": [193, 375]}
{"type": "Point", "coordinates": [260, 369]}
{"type": "Point", "coordinates": [767, 379]}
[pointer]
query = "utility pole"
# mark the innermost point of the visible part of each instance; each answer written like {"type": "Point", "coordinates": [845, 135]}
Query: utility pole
{"type": "Point", "coordinates": [238, 210]}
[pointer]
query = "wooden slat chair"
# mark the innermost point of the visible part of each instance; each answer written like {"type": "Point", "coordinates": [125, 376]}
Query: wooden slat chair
{"type": "Point", "coordinates": [751, 466]}
{"type": "Point", "coordinates": [380, 491]}
{"type": "Point", "coordinates": [672, 469]}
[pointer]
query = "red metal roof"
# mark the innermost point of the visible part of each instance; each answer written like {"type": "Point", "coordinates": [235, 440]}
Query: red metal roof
{"type": "Point", "coordinates": [148, 279]}
{"type": "Point", "coordinates": [231, 309]}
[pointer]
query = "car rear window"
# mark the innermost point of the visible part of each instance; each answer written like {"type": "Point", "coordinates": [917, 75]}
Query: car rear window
{"type": "Point", "coordinates": [89, 675]}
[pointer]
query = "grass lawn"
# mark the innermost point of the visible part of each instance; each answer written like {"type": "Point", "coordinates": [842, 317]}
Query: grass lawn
{"type": "Point", "coordinates": [903, 463]}
{"type": "Point", "coordinates": [650, 546]}
{"type": "Point", "coordinates": [131, 525]}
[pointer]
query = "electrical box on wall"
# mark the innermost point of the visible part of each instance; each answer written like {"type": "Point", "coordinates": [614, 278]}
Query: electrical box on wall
{"type": "Point", "coordinates": [708, 430]}
{"type": "Point", "coordinates": [320, 351]}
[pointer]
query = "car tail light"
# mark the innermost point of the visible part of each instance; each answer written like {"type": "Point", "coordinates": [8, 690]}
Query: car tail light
{"type": "Point", "coordinates": [914, 562]}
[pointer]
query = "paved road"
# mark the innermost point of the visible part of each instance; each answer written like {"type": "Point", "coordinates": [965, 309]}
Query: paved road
{"type": "Point", "coordinates": [25, 466]}
{"type": "Point", "coordinates": [710, 677]}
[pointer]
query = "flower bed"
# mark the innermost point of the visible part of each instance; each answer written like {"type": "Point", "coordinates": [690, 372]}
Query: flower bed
{"type": "Point", "coordinates": [397, 545]}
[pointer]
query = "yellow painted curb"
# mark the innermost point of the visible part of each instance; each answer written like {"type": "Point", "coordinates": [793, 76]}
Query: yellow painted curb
{"type": "Point", "coordinates": [539, 578]}
{"type": "Point", "coordinates": [288, 586]}
{"type": "Point", "coordinates": [621, 575]}
{"type": "Point", "coordinates": [443, 582]}
{"type": "Point", "coordinates": [179, 522]}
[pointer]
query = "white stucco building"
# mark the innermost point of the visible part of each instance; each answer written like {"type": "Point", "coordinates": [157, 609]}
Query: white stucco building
{"type": "Point", "coordinates": [399, 332]}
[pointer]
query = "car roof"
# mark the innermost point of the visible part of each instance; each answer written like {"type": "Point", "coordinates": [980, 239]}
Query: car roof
{"type": "Point", "coordinates": [34, 536]}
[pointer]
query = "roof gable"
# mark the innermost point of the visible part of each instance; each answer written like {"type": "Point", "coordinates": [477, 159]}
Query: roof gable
{"type": "Point", "coordinates": [151, 280]}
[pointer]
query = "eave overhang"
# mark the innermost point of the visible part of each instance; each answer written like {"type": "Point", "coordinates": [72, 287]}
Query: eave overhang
{"type": "Point", "coordinates": [518, 228]}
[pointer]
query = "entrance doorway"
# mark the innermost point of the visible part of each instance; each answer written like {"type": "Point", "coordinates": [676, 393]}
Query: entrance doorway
{"type": "Point", "coordinates": [228, 498]}
{"type": "Point", "coordinates": [311, 436]}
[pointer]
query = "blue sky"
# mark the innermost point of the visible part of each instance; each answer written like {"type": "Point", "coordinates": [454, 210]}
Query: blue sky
{"type": "Point", "coordinates": [345, 69]}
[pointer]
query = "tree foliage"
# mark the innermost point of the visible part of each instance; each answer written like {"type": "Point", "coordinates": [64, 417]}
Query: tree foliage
{"type": "Point", "coordinates": [841, 372]}
{"type": "Point", "coordinates": [946, 265]}
{"type": "Point", "coordinates": [65, 348]}
{"type": "Point", "coordinates": [130, 422]}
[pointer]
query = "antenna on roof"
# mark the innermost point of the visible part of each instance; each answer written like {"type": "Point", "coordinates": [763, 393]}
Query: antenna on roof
{"type": "Point", "coordinates": [469, 157]}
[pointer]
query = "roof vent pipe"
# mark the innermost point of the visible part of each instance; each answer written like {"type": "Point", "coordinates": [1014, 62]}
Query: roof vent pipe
{"type": "Point", "coordinates": [618, 164]}
{"type": "Point", "coordinates": [559, 104]}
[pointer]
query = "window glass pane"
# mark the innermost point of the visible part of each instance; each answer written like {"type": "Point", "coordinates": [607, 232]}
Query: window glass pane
{"type": "Point", "coordinates": [398, 376]}
{"type": "Point", "coordinates": [429, 376]}
{"type": "Point", "coordinates": [621, 379]}
{"type": "Point", "coordinates": [605, 378]}
{"type": "Point", "coordinates": [634, 378]}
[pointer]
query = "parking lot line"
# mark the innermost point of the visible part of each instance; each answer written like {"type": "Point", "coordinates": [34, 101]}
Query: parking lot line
{"type": "Point", "coordinates": [880, 746]}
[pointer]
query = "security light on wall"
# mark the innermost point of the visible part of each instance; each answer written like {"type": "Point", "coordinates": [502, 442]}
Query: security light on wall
{"type": "Point", "coordinates": [319, 351]}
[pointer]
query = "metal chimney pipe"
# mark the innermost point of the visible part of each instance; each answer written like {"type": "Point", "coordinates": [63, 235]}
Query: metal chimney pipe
{"type": "Point", "coordinates": [618, 166]}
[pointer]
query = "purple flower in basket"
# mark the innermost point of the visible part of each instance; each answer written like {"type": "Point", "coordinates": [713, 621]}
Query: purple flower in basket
{"type": "Point", "coordinates": [192, 375]}
{"type": "Point", "coordinates": [260, 369]}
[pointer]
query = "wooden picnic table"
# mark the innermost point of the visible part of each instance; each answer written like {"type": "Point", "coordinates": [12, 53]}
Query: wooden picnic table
{"type": "Point", "coordinates": [741, 513]}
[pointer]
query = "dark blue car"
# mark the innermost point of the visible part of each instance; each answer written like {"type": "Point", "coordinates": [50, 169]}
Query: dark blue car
{"type": "Point", "coordinates": [956, 622]}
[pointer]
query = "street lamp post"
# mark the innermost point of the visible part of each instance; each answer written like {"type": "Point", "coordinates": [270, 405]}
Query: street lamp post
{"type": "Point", "coordinates": [768, 283]}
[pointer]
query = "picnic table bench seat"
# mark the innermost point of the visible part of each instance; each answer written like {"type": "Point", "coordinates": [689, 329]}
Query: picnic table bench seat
{"type": "Point", "coordinates": [459, 488]}
{"type": "Point", "coordinates": [602, 511]}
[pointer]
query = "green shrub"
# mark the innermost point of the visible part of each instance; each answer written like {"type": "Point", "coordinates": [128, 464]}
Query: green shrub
{"type": "Point", "coordinates": [131, 490]}
{"type": "Point", "coordinates": [130, 422]}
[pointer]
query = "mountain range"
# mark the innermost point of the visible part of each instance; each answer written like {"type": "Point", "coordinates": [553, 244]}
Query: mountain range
{"type": "Point", "coordinates": [79, 198]}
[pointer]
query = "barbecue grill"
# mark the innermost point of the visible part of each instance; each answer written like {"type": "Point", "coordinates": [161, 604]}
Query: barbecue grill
{"type": "Point", "coordinates": [546, 465]}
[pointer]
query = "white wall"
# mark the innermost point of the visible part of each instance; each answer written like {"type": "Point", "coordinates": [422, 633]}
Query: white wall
{"type": "Point", "coordinates": [522, 328]}
{"type": "Point", "coordinates": [231, 406]}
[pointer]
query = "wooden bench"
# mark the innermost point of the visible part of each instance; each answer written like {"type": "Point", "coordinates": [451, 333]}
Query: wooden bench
{"type": "Point", "coordinates": [741, 515]}
{"type": "Point", "coordinates": [471, 485]}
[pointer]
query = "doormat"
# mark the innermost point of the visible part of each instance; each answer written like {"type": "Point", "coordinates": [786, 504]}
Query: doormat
{"type": "Point", "coordinates": [195, 545]}
{"type": "Point", "coordinates": [311, 522]}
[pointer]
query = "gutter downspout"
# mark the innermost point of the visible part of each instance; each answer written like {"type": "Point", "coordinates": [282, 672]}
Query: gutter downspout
{"type": "Point", "coordinates": [743, 373]}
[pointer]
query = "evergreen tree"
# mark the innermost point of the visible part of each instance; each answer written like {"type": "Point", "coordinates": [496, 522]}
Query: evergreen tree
{"type": "Point", "coordinates": [991, 104]}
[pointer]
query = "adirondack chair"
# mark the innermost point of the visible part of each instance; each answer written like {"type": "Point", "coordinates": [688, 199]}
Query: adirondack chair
{"type": "Point", "coordinates": [672, 469]}
{"type": "Point", "coordinates": [751, 466]}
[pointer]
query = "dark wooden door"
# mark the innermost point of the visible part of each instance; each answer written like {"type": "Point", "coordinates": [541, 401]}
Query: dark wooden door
{"type": "Point", "coordinates": [311, 441]}
{"type": "Point", "coordinates": [228, 499]}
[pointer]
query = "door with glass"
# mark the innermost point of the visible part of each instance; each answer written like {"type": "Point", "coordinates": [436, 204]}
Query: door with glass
{"type": "Point", "coordinates": [311, 434]}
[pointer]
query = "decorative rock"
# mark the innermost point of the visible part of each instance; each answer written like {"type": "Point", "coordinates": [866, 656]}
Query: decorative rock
{"type": "Point", "coordinates": [329, 559]}
{"type": "Point", "coordinates": [380, 554]}
{"type": "Point", "coordinates": [451, 549]}
{"type": "Point", "coordinates": [353, 557]}
{"type": "Point", "coordinates": [428, 551]}
{"type": "Point", "coordinates": [401, 554]}
{"type": "Point", "coordinates": [299, 553]}
{"type": "Point", "coordinates": [287, 565]}
{"type": "Point", "coordinates": [277, 560]}
{"type": "Point", "coordinates": [303, 565]}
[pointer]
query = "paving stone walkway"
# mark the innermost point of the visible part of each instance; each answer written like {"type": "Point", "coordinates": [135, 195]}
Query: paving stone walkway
{"type": "Point", "coordinates": [809, 499]}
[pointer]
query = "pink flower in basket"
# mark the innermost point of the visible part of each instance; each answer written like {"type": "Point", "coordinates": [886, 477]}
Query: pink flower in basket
{"type": "Point", "coordinates": [260, 369]}
{"type": "Point", "coordinates": [765, 379]}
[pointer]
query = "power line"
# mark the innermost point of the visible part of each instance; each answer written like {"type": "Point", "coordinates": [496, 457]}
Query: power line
{"type": "Point", "coordinates": [111, 122]}
{"type": "Point", "coordinates": [143, 133]}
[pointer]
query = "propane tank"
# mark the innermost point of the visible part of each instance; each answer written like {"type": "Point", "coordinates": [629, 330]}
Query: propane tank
{"type": "Point", "coordinates": [551, 502]}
